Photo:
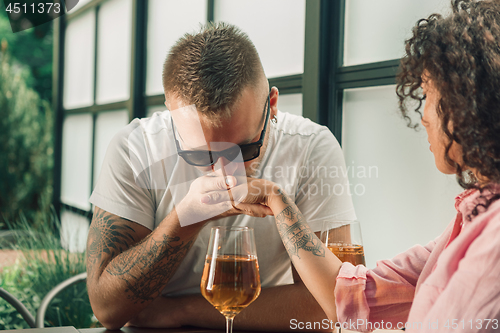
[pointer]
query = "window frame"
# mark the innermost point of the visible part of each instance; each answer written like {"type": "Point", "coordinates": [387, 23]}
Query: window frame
{"type": "Point", "coordinates": [322, 84]}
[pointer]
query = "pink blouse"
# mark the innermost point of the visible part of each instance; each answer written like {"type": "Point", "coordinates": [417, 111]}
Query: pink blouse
{"type": "Point", "coordinates": [452, 284]}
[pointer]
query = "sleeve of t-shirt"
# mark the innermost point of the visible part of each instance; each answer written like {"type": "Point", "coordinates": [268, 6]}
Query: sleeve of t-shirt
{"type": "Point", "coordinates": [122, 187]}
{"type": "Point", "coordinates": [323, 191]}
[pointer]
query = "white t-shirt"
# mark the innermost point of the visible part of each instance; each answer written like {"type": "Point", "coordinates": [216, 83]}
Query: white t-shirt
{"type": "Point", "coordinates": [141, 174]}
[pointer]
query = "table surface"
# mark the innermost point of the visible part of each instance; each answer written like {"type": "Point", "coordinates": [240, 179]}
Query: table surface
{"type": "Point", "coordinates": [71, 329]}
{"type": "Point", "coordinates": [64, 329]}
{"type": "Point", "coordinates": [159, 330]}
{"type": "Point", "coordinates": [186, 330]}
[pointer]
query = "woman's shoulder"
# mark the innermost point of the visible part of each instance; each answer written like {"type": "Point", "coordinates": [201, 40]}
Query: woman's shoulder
{"type": "Point", "coordinates": [478, 204]}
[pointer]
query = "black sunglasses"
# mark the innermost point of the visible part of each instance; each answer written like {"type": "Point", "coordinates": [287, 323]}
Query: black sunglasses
{"type": "Point", "coordinates": [204, 158]}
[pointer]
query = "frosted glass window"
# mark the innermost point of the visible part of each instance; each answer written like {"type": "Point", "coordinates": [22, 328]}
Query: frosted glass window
{"type": "Point", "coordinates": [375, 30]}
{"type": "Point", "coordinates": [76, 160]}
{"type": "Point", "coordinates": [153, 109]}
{"type": "Point", "coordinates": [400, 197]}
{"type": "Point", "coordinates": [291, 103]}
{"type": "Point", "coordinates": [78, 87]}
{"type": "Point", "coordinates": [106, 126]}
{"type": "Point", "coordinates": [74, 230]}
{"type": "Point", "coordinates": [168, 20]}
{"type": "Point", "coordinates": [276, 27]}
{"type": "Point", "coordinates": [113, 51]}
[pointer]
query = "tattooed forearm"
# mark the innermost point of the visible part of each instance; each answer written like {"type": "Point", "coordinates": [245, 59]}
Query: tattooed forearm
{"type": "Point", "coordinates": [298, 235]}
{"type": "Point", "coordinates": [106, 238]}
{"type": "Point", "coordinates": [145, 266]}
{"type": "Point", "coordinates": [154, 261]}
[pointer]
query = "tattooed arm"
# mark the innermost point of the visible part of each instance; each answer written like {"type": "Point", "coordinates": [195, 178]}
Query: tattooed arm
{"type": "Point", "coordinates": [128, 265]}
{"type": "Point", "coordinates": [318, 268]}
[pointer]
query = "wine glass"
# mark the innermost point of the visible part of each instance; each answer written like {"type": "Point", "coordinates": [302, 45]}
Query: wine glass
{"type": "Point", "coordinates": [343, 238]}
{"type": "Point", "coordinates": [231, 279]}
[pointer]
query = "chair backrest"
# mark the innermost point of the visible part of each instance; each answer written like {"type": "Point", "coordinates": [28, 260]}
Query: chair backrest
{"type": "Point", "coordinates": [40, 314]}
{"type": "Point", "coordinates": [27, 316]}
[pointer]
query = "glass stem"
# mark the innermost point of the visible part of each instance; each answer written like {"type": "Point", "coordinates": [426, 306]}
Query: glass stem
{"type": "Point", "coordinates": [229, 324]}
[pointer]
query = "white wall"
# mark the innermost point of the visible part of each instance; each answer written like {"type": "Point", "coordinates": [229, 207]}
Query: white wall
{"type": "Point", "coordinates": [400, 197]}
{"type": "Point", "coordinates": [375, 30]}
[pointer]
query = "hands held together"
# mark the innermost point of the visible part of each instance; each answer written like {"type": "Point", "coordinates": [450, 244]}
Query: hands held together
{"type": "Point", "coordinates": [213, 197]}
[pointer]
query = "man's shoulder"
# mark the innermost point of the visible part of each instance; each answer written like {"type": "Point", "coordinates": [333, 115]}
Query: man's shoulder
{"type": "Point", "coordinates": [295, 125]}
{"type": "Point", "coordinates": [136, 132]}
{"type": "Point", "coordinates": [297, 130]}
{"type": "Point", "coordinates": [296, 135]}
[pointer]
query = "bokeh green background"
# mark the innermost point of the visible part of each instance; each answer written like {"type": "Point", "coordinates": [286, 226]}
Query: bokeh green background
{"type": "Point", "coordinates": [26, 123]}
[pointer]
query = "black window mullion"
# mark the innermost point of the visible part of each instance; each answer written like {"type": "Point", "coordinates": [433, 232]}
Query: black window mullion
{"type": "Point", "coordinates": [336, 51]}
{"type": "Point", "coordinates": [155, 100]}
{"type": "Point", "coordinates": [136, 105]}
{"type": "Point", "coordinates": [96, 108]}
{"type": "Point", "coordinates": [210, 10]}
{"type": "Point", "coordinates": [57, 102]}
{"type": "Point", "coordinates": [311, 76]}
{"type": "Point", "coordinates": [368, 75]}
{"type": "Point", "coordinates": [290, 84]}
{"type": "Point", "coordinates": [322, 56]}
{"type": "Point", "coordinates": [94, 121]}
{"type": "Point", "coordinates": [96, 25]}
{"type": "Point", "coordinates": [77, 210]}
{"type": "Point", "coordinates": [94, 112]}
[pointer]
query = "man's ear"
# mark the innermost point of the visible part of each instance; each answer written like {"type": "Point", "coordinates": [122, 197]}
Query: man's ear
{"type": "Point", "coordinates": [273, 98]}
{"type": "Point", "coordinates": [168, 100]}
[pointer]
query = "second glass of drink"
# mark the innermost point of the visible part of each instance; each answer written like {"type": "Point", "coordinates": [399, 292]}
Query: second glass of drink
{"type": "Point", "coordinates": [343, 238]}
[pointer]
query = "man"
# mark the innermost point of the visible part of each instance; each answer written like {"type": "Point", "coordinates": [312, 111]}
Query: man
{"type": "Point", "coordinates": [149, 233]}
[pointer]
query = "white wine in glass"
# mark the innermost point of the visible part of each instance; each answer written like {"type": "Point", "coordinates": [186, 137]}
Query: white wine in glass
{"type": "Point", "coordinates": [231, 279]}
{"type": "Point", "coordinates": [343, 238]}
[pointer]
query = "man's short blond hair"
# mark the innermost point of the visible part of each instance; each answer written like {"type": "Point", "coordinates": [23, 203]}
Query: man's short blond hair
{"type": "Point", "coordinates": [211, 68]}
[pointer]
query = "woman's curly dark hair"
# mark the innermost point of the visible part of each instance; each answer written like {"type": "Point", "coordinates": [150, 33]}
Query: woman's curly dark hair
{"type": "Point", "coordinates": [461, 54]}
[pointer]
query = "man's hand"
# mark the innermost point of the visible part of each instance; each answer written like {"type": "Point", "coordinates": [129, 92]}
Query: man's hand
{"type": "Point", "coordinates": [250, 198]}
{"type": "Point", "coordinates": [224, 198]}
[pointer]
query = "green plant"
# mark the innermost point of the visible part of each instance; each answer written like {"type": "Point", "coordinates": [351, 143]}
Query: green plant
{"type": "Point", "coordinates": [45, 264]}
{"type": "Point", "coordinates": [32, 48]}
{"type": "Point", "coordinates": [16, 280]}
{"type": "Point", "coordinates": [26, 146]}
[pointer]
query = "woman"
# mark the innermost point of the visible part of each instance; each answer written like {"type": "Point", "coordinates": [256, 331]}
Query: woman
{"type": "Point", "coordinates": [452, 283]}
